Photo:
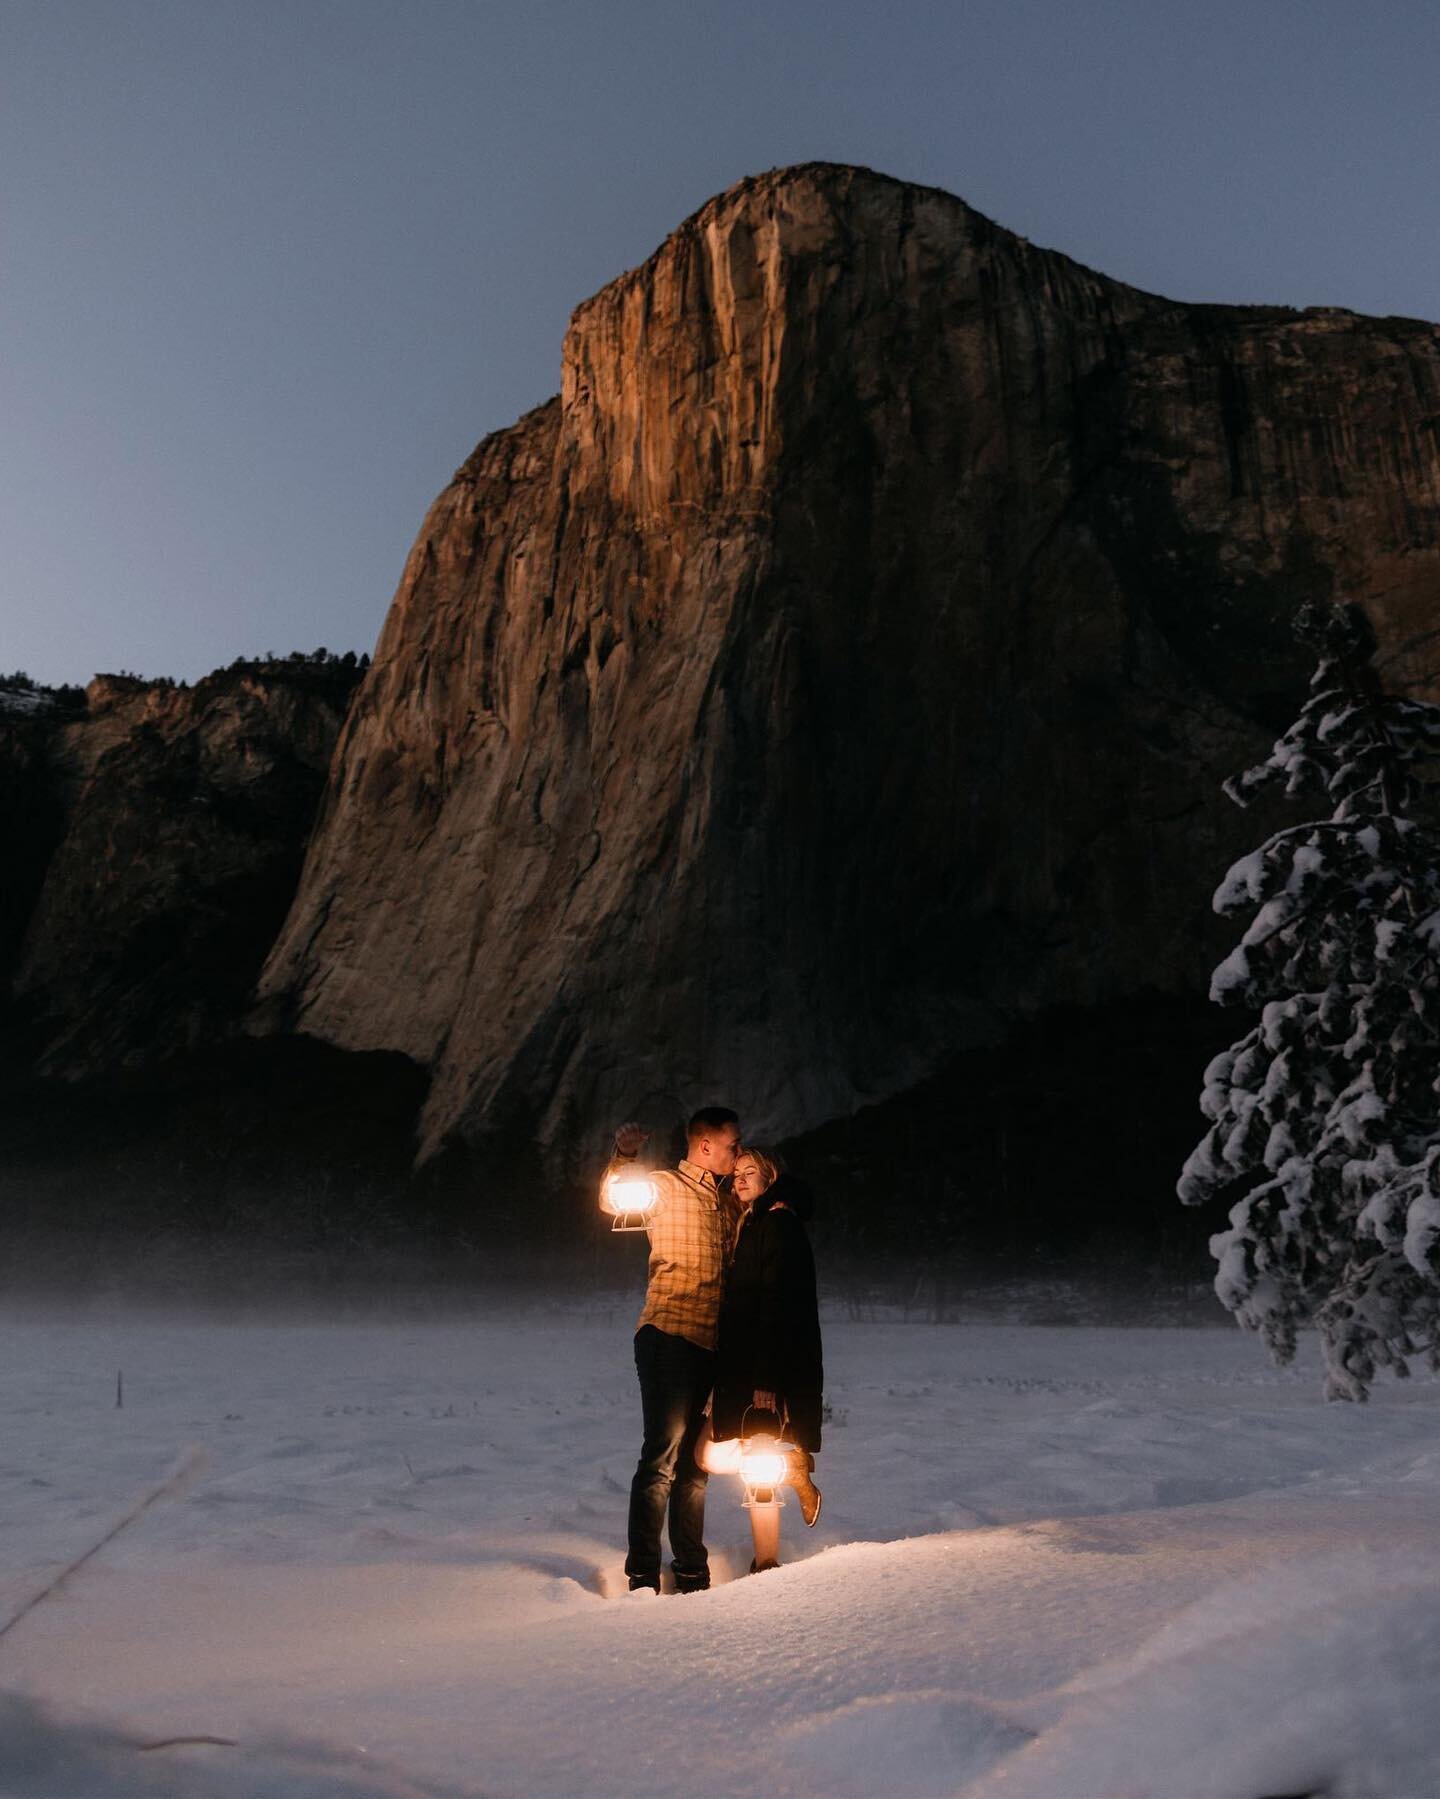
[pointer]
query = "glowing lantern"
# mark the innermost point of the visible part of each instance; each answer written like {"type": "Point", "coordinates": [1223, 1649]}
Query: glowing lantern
{"type": "Point", "coordinates": [762, 1460]}
{"type": "Point", "coordinates": [632, 1199]}
{"type": "Point", "coordinates": [763, 1463]}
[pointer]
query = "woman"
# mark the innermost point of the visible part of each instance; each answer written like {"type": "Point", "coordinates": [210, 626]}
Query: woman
{"type": "Point", "coordinates": [769, 1335]}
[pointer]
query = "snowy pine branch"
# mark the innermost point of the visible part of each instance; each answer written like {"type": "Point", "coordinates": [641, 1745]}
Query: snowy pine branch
{"type": "Point", "coordinates": [1323, 1117]}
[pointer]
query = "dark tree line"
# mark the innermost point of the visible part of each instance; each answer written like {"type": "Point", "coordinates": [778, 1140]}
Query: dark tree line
{"type": "Point", "coordinates": [344, 666]}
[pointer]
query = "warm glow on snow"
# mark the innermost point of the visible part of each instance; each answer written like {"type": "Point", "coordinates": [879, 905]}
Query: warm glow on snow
{"type": "Point", "coordinates": [722, 1457]}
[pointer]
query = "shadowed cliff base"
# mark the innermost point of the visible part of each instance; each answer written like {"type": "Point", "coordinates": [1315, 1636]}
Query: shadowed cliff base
{"type": "Point", "coordinates": [283, 1169]}
{"type": "Point", "coordinates": [239, 1164]}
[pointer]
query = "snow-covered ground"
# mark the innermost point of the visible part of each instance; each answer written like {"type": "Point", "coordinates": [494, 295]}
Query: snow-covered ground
{"type": "Point", "coordinates": [1058, 1562]}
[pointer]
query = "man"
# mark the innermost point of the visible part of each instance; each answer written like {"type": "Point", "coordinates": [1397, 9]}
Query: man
{"type": "Point", "coordinates": [692, 1231]}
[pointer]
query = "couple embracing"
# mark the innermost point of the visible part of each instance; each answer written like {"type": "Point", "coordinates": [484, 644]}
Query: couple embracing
{"type": "Point", "coordinates": [730, 1325]}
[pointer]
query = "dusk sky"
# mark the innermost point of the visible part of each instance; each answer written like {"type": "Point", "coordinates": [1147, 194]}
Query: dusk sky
{"type": "Point", "coordinates": [270, 270]}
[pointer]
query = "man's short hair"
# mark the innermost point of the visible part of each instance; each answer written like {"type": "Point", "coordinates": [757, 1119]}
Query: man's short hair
{"type": "Point", "coordinates": [709, 1119]}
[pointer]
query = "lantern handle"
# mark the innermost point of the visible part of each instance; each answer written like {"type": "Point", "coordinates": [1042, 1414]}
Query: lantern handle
{"type": "Point", "coordinates": [781, 1416]}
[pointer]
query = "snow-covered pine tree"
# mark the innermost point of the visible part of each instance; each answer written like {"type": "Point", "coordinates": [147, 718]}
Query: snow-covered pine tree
{"type": "Point", "coordinates": [1324, 1115]}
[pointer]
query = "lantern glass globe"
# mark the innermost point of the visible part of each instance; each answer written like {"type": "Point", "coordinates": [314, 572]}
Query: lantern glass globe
{"type": "Point", "coordinates": [632, 1193]}
{"type": "Point", "coordinates": [632, 1199]}
{"type": "Point", "coordinates": [762, 1462]}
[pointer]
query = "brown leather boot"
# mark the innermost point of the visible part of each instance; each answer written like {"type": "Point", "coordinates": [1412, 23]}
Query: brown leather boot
{"type": "Point", "coordinates": [801, 1464]}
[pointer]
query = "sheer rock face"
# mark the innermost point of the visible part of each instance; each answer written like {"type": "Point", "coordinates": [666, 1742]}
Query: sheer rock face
{"type": "Point", "coordinates": [175, 820]}
{"type": "Point", "coordinates": [843, 666]}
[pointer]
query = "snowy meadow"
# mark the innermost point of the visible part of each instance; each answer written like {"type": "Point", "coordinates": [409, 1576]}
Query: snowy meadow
{"type": "Point", "coordinates": [1060, 1561]}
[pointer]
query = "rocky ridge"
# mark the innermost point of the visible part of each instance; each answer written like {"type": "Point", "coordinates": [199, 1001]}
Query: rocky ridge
{"type": "Point", "coordinates": [157, 838]}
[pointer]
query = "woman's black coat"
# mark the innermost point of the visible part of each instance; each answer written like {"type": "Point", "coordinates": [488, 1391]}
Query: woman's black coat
{"type": "Point", "coordinates": [769, 1333]}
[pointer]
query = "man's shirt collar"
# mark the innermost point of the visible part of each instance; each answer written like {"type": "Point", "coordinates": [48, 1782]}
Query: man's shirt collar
{"type": "Point", "coordinates": [694, 1172]}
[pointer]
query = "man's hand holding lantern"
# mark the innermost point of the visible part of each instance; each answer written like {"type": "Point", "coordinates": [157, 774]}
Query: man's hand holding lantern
{"type": "Point", "coordinates": [628, 1194]}
{"type": "Point", "coordinates": [630, 1139]}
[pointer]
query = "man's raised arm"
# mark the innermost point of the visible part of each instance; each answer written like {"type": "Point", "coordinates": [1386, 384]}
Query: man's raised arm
{"type": "Point", "coordinates": [629, 1141]}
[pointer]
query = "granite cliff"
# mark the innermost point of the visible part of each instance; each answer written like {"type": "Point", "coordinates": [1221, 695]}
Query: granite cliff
{"type": "Point", "coordinates": [842, 668]}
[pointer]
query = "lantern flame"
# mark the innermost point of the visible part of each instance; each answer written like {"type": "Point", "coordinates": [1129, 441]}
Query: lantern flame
{"type": "Point", "coordinates": [632, 1195]}
{"type": "Point", "coordinates": [762, 1462]}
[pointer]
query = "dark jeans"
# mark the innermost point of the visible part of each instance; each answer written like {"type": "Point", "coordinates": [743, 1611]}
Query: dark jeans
{"type": "Point", "coordinates": [676, 1376]}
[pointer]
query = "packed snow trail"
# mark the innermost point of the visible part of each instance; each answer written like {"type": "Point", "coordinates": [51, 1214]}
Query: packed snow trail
{"type": "Point", "coordinates": [1043, 1551]}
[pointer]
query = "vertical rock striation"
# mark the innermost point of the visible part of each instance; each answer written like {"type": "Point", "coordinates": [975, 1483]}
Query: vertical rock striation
{"type": "Point", "coordinates": [843, 666]}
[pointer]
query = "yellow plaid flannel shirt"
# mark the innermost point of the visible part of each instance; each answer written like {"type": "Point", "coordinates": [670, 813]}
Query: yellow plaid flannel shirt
{"type": "Point", "coordinates": [692, 1237]}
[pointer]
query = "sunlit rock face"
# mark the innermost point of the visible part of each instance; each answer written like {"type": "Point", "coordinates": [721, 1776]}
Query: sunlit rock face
{"type": "Point", "coordinates": [843, 667]}
{"type": "Point", "coordinates": [177, 819]}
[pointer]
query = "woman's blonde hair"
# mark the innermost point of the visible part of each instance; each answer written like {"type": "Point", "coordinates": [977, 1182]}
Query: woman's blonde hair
{"type": "Point", "coordinates": [768, 1167]}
